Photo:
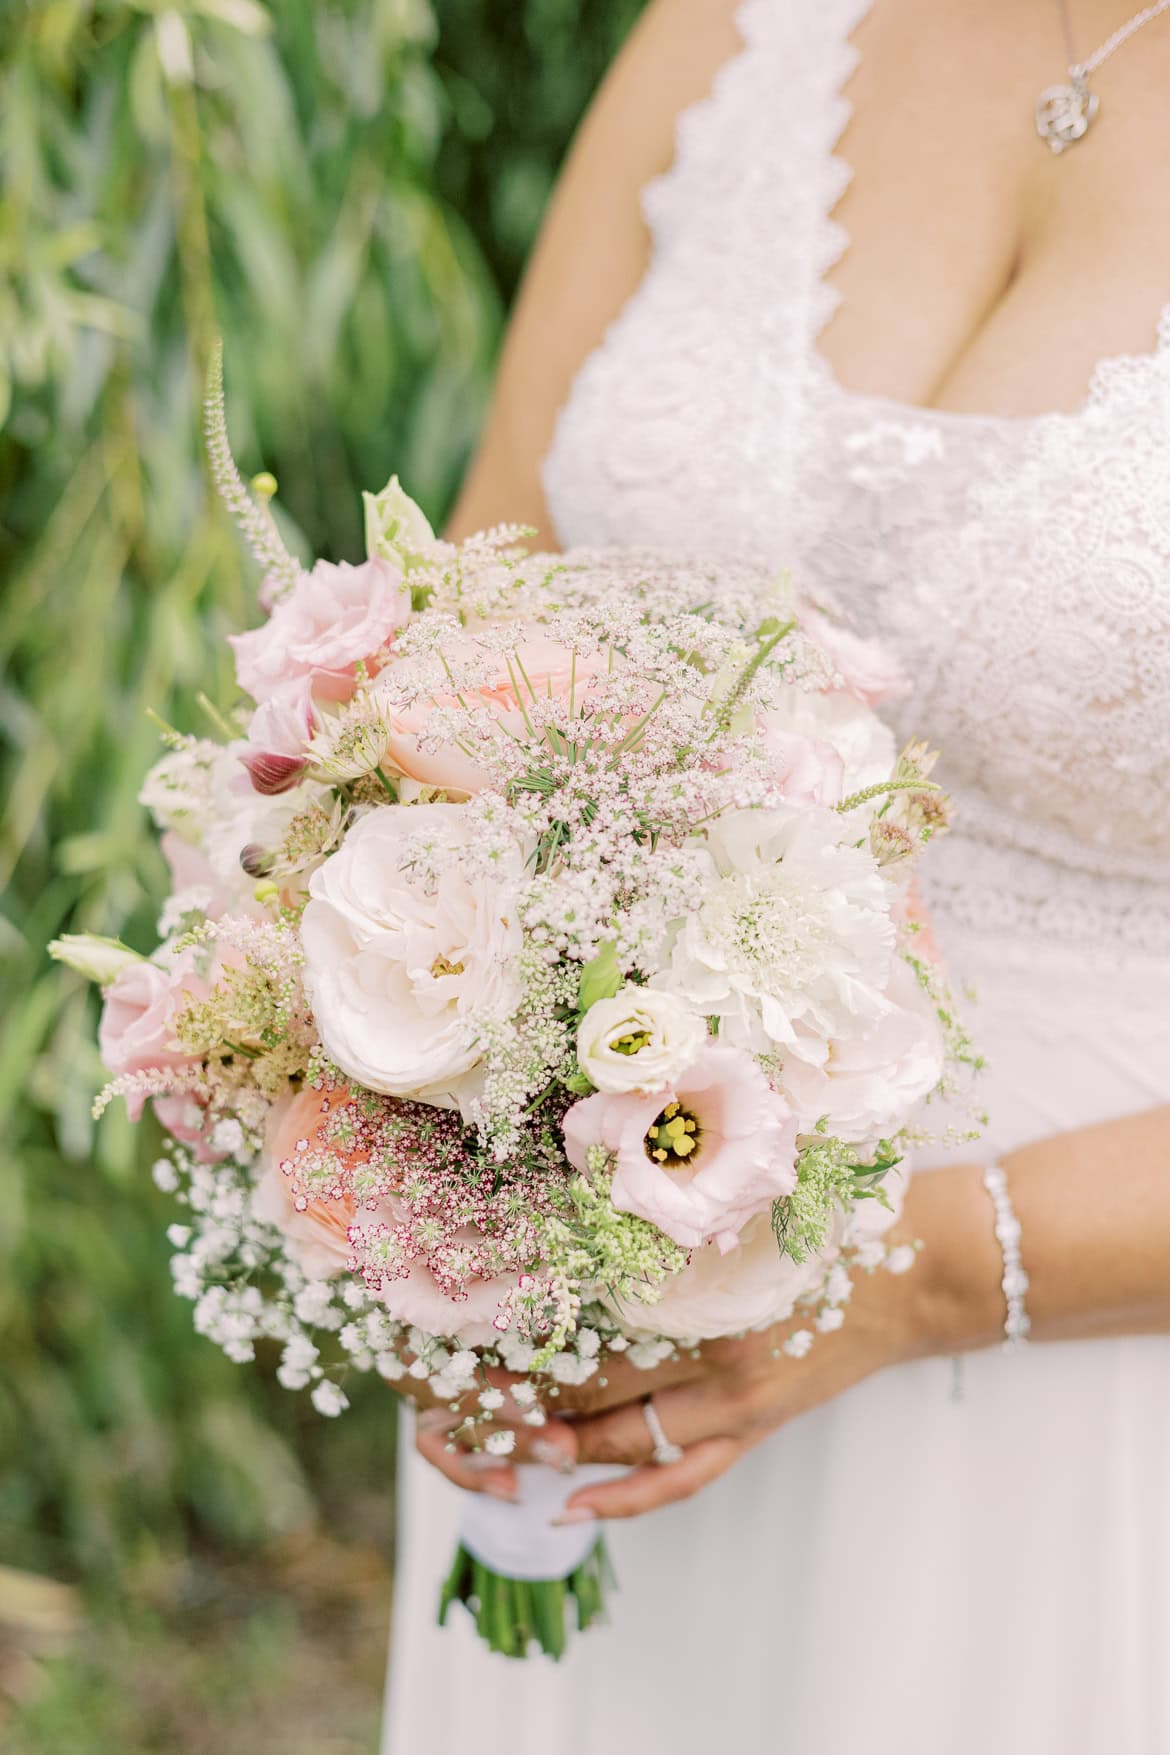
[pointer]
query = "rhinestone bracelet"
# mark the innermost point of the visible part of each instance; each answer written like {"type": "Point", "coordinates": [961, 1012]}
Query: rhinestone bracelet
{"type": "Point", "coordinates": [1015, 1280]}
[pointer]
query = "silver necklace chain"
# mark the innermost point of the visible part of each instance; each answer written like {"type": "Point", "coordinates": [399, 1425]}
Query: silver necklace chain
{"type": "Point", "coordinates": [1111, 44]}
{"type": "Point", "coordinates": [1065, 113]}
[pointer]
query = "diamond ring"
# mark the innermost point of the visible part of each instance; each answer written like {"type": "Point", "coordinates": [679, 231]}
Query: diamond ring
{"type": "Point", "coordinates": [664, 1451]}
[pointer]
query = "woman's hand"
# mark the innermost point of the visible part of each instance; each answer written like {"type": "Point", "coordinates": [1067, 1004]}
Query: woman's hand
{"type": "Point", "coordinates": [1094, 1208]}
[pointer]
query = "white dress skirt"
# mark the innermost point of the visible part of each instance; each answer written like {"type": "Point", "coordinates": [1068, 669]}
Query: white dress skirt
{"type": "Point", "coordinates": [897, 1573]}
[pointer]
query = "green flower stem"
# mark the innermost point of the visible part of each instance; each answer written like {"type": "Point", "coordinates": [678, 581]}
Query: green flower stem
{"type": "Point", "coordinates": [511, 1614]}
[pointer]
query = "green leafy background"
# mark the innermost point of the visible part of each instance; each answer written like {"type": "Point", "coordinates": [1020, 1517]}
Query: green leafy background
{"type": "Point", "coordinates": [346, 189]}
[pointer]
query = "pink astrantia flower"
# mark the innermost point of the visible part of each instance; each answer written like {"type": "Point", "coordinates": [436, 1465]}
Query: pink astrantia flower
{"type": "Point", "coordinates": [275, 754]}
{"type": "Point", "coordinates": [556, 674]}
{"type": "Point", "coordinates": [699, 1160]}
{"type": "Point", "coordinates": [334, 619]}
{"type": "Point", "coordinates": [865, 668]}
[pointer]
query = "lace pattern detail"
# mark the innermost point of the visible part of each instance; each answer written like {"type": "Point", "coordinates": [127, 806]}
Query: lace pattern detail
{"type": "Point", "coordinates": [1020, 567]}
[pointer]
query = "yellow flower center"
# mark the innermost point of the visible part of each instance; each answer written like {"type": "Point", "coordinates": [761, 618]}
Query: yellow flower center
{"type": "Point", "coordinates": [631, 1043]}
{"type": "Point", "coordinates": [441, 966]}
{"type": "Point", "coordinates": [674, 1138]}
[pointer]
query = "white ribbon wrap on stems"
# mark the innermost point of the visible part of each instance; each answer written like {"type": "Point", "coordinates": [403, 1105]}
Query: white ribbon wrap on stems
{"type": "Point", "coordinates": [520, 1540]}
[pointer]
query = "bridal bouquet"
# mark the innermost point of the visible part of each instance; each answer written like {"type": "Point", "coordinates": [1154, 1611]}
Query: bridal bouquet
{"type": "Point", "coordinates": [541, 981]}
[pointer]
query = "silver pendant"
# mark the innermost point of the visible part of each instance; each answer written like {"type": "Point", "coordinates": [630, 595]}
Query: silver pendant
{"type": "Point", "coordinates": [1064, 114]}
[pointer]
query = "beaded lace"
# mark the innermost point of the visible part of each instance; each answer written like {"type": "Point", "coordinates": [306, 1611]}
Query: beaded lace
{"type": "Point", "coordinates": [1020, 567]}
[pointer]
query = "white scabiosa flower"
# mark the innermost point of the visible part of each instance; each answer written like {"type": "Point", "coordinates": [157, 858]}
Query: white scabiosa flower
{"type": "Point", "coordinates": [640, 1040]}
{"type": "Point", "coordinates": [793, 942]}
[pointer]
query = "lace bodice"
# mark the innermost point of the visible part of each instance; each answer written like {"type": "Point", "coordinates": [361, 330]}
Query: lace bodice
{"type": "Point", "coordinates": [1021, 567]}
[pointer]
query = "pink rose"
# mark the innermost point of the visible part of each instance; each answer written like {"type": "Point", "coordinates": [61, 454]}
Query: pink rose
{"type": "Point", "coordinates": [700, 1159]}
{"type": "Point", "coordinates": [334, 619]}
{"type": "Point", "coordinates": [866, 670]}
{"type": "Point", "coordinates": [555, 672]}
{"type": "Point", "coordinates": [807, 770]}
{"type": "Point", "coordinates": [275, 754]}
{"type": "Point", "coordinates": [137, 1026]}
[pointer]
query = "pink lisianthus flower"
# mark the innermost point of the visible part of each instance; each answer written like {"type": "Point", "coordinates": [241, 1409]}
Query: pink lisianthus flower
{"type": "Point", "coordinates": [276, 753]}
{"type": "Point", "coordinates": [865, 668]}
{"type": "Point", "coordinates": [136, 1034]}
{"type": "Point", "coordinates": [417, 1298]}
{"type": "Point", "coordinates": [333, 619]}
{"type": "Point", "coordinates": [807, 770]}
{"type": "Point", "coordinates": [556, 672]}
{"type": "Point", "coordinates": [700, 1159]}
{"type": "Point", "coordinates": [196, 883]}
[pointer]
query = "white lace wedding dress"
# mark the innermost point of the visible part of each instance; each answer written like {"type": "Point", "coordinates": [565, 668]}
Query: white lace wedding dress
{"type": "Point", "coordinates": [897, 1573]}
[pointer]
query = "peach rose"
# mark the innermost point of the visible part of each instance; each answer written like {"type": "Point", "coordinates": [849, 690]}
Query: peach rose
{"type": "Point", "coordinates": [322, 1233]}
{"type": "Point", "coordinates": [555, 672]}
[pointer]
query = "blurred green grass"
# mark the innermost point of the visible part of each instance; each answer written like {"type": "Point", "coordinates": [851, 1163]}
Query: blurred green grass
{"type": "Point", "coordinates": [346, 190]}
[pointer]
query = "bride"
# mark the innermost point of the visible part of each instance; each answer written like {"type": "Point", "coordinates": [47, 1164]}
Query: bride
{"type": "Point", "coordinates": [859, 316]}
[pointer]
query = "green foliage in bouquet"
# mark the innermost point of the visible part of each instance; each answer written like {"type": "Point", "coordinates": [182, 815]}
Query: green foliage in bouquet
{"type": "Point", "coordinates": [349, 185]}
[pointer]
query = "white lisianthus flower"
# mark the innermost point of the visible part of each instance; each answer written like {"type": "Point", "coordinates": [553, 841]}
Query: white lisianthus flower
{"type": "Point", "coordinates": [792, 945]}
{"type": "Point", "coordinates": [640, 1040]}
{"type": "Point", "coordinates": [98, 959]}
{"type": "Point", "coordinates": [401, 966]}
{"type": "Point", "coordinates": [396, 528]}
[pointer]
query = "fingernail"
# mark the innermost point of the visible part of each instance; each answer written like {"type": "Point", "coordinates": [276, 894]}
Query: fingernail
{"type": "Point", "coordinates": [575, 1514]}
{"type": "Point", "coordinates": [499, 1489]}
{"type": "Point", "coordinates": [553, 1457]}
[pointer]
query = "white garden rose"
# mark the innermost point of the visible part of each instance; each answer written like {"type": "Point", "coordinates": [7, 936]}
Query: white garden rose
{"type": "Point", "coordinates": [791, 946]}
{"type": "Point", "coordinates": [640, 1040]}
{"type": "Point", "coordinates": [720, 1293]}
{"type": "Point", "coordinates": [402, 967]}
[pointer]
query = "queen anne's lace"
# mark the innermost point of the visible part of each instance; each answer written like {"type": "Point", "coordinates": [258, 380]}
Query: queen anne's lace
{"type": "Point", "coordinates": [1021, 567]}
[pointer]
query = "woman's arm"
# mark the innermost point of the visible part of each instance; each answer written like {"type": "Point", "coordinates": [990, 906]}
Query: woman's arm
{"type": "Point", "coordinates": [592, 252]}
